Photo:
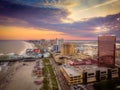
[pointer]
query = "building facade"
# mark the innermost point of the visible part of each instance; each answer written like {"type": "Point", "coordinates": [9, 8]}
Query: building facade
{"type": "Point", "coordinates": [58, 44]}
{"type": "Point", "coordinates": [106, 50]}
{"type": "Point", "coordinates": [68, 49]}
{"type": "Point", "coordinates": [80, 75]}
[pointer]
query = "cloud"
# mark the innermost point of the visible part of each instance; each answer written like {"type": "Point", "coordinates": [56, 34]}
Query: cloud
{"type": "Point", "coordinates": [23, 33]}
{"type": "Point", "coordinates": [94, 8]}
{"type": "Point", "coordinates": [12, 21]}
{"type": "Point", "coordinates": [29, 13]}
{"type": "Point", "coordinates": [109, 24]}
{"type": "Point", "coordinates": [99, 5]}
{"type": "Point", "coordinates": [29, 33]}
{"type": "Point", "coordinates": [57, 20]}
{"type": "Point", "coordinates": [56, 3]}
{"type": "Point", "coordinates": [76, 10]}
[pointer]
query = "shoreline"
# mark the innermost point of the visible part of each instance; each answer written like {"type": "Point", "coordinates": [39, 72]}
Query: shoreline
{"type": "Point", "coordinates": [16, 47]}
{"type": "Point", "coordinates": [27, 45]}
{"type": "Point", "coordinates": [18, 75]}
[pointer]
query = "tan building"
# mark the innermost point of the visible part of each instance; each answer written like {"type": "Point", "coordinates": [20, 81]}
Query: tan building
{"type": "Point", "coordinates": [67, 49]}
{"type": "Point", "coordinates": [84, 74]}
{"type": "Point", "coordinates": [72, 75]}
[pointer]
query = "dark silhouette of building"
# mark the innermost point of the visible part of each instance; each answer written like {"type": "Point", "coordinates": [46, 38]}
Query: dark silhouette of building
{"type": "Point", "coordinates": [106, 50]}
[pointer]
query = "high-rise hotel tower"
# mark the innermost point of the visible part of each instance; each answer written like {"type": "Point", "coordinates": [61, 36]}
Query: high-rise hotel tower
{"type": "Point", "coordinates": [106, 50]}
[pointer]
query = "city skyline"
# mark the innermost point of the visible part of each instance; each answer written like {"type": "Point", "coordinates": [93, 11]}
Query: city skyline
{"type": "Point", "coordinates": [50, 19]}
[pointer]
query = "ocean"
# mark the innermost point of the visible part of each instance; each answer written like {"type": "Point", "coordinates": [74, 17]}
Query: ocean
{"type": "Point", "coordinates": [9, 46]}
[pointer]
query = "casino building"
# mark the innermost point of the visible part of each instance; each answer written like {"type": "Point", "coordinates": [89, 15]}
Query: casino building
{"type": "Point", "coordinates": [106, 50]}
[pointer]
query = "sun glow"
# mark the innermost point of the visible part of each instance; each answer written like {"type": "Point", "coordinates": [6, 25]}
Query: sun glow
{"type": "Point", "coordinates": [22, 33]}
{"type": "Point", "coordinates": [101, 29]}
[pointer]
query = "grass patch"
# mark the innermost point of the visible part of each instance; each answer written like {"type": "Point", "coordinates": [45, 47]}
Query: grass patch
{"type": "Point", "coordinates": [49, 76]}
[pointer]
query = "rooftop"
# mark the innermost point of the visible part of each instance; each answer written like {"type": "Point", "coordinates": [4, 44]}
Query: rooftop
{"type": "Point", "coordinates": [71, 71]}
{"type": "Point", "coordinates": [77, 70]}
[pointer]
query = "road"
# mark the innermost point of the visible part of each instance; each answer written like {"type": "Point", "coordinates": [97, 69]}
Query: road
{"type": "Point", "coordinates": [22, 79]}
{"type": "Point", "coordinates": [60, 77]}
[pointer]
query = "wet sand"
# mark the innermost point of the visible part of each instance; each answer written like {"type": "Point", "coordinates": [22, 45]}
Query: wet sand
{"type": "Point", "coordinates": [21, 78]}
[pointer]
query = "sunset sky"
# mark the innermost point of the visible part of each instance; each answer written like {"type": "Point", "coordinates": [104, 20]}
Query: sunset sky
{"type": "Point", "coordinates": [50, 19]}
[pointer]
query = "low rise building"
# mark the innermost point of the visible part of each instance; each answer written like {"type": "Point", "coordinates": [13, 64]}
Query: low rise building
{"type": "Point", "coordinates": [59, 59]}
{"type": "Point", "coordinates": [84, 74]}
{"type": "Point", "coordinates": [72, 75]}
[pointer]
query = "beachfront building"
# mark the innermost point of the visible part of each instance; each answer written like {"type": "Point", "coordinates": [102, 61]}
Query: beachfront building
{"type": "Point", "coordinates": [68, 49]}
{"type": "Point", "coordinates": [88, 73]}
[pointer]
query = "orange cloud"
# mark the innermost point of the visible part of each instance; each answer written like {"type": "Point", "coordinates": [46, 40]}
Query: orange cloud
{"type": "Point", "coordinates": [23, 33]}
{"type": "Point", "coordinates": [26, 33]}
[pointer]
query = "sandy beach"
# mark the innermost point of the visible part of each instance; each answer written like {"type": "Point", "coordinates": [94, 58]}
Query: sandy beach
{"type": "Point", "coordinates": [19, 77]}
{"type": "Point", "coordinates": [27, 46]}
